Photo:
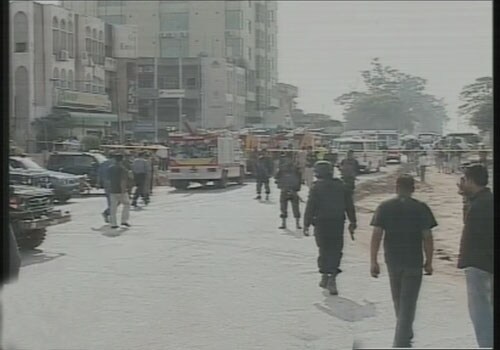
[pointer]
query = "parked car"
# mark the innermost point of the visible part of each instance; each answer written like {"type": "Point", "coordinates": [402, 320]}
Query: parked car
{"type": "Point", "coordinates": [31, 211]}
{"type": "Point", "coordinates": [77, 163]}
{"type": "Point", "coordinates": [29, 178]}
{"type": "Point", "coordinates": [64, 185]}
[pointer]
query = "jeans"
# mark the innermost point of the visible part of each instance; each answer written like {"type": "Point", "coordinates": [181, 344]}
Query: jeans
{"type": "Point", "coordinates": [108, 201]}
{"type": "Point", "coordinates": [264, 182]}
{"type": "Point", "coordinates": [141, 188]}
{"type": "Point", "coordinates": [405, 287]}
{"type": "Point", "coordinates": [480, 301]}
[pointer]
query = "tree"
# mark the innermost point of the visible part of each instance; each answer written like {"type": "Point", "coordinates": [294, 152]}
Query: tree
{"type": "Point", "coordinates": [392, 100]}
{"type": "Point", "coordinates": [478, 103]}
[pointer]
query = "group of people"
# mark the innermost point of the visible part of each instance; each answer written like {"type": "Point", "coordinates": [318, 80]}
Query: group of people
{"type": "Point", "coordinates": [118, 176]}
{"type": "Point", "coordinates": [403, 223]}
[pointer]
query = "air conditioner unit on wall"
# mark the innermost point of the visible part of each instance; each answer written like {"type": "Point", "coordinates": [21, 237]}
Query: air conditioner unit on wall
{"type": "Point", "coordinates": [63, 55]}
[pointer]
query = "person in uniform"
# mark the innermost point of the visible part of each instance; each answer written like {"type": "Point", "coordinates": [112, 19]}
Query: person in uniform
{"type": "Point", "coordinates": [289, 182]}
{"type": "Point", "coordinates": [349, 170]}
{"type": "Point", "coordinates": [140, 168]}
{"type": "Point", "coordinates": [263, 171]}
{"type": "Point", "coordinates": [327, 206]}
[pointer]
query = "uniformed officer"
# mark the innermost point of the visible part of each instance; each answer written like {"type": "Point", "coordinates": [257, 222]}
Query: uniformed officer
{"type": "Point", "coordinates": [328, 203]}
{"type": "Point", "coordinates": [289, 182]}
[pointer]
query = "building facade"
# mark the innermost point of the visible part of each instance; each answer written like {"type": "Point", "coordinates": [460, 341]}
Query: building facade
{"type": "Point", "coordinates": [283, 115]}
{"type": "Point", "coordinates": [243, 32]}
{"type": "Point", "coordinates": [62, 67]}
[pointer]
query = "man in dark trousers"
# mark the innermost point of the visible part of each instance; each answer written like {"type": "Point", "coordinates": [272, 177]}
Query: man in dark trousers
{"type": "Point", "coordinates": [328, 203]}
{"type": "Point", "coordinates": [289, 182]}
{"type": "Point", "coordinates": [406, 224]}
{"type": "Point", "coordinates": [141, 169]}
{"type": "Point", "coordinates": [477, 250]}
{"type": "Point", "coordinates": [311, 159]}
{"type": "Point", "coordinates": [104, 182]}
{"type": "Point", "coordinates": [263, 171]}
{"type": "Point", "coordinates": [118, 189]}
{"type": "Point", "coordinates": [349, 170]}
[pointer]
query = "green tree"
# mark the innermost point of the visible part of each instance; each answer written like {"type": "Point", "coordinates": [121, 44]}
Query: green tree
{"type": "Point", "coordinates": [478, 103]}
{"type": "Point", "coordinates": [392, 100]}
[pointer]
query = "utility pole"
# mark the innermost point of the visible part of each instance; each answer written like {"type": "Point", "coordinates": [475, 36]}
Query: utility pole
{"type": "Point", "coordinates": [180, 85]}
{"type": "Point", "coordinates": [155, 77]}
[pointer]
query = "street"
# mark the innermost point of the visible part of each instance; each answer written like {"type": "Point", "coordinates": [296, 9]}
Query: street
{"type": "Point", "coordinates": [209, 269]}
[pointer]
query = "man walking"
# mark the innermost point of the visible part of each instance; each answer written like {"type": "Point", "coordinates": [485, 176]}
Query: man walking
{"type": "Point", "coordinates": [118, 178]}
{"type": "Point", "coordinates": [263, 171]}
{"type": "Point", "coordinates": [349, 170]}
{"type": "Point", "coordinates": [104, 183]}
{"type": "Point", "coordinates": [477, 250]}
{"type": "Point", "coordinates": [328, 203]}
{"type": "Point", "coordinates": [289, 182]}
{"type": "Point", "coordinates": [406, 224]}
{"type": "Point", "coordinates": [140, 169]}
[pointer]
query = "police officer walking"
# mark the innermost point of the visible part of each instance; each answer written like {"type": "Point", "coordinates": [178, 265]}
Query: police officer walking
{"type": "Point", "coordinates": [289, 182]}
{"type": "Point", "coordinates": [263, 171]}
{"type": "Point", "coordinates": [328, 203]}
{"type": "Point", "coordinates": [349, 169]}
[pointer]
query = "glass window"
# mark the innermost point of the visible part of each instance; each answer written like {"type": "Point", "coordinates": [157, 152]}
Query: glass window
{"type": "Point", "coordinates": [174, 21]}
{"type": "Point", "coordinates": [234, 19]}
{"type": "Point", "coordinates": [63, 78]}
{"type": "Point", "coordinates": [20, 32]}
{"type": "Point", "coordinates": [88, 46]}
{"type": "Point", "coordinates": [70, 80]}
{"type": "Point", "coordinates": [114, 19]}
{"type": "Point", "coordinates": [174, 47]}
{"type": "Point", "coordinates": [55, 35]}
{"type": "Point", "coordinates": [234, 47]}
{"type": "Point", "coordinates": [94, 34]}
{"type": "Point", "coordinates": [55, 76]}
{"type": "Point", "coordinates": [87, 31]}
{"type": "Point", "coordinates": [101, 36]}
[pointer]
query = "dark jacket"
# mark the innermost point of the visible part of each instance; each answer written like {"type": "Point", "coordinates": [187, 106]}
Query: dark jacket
{"type": "Point", "coordinates": [118, 178]}
{"type": "Point", "coordinates": [329, 201]}
{"type": "Point", "coordinates": [10, 271]}
{"type": "Point", "coordinates": [476, 245]}
{"type": "Point", "coordinates": [263, 168]}
{"type": "Point", "coordinates": [349, 167]}
{"type": "Point", "coordinates": [311, 159]}
{"type": "Point", "coordinates": [102, 173]}
{"type": "Point", "coordinates": [289, 180]}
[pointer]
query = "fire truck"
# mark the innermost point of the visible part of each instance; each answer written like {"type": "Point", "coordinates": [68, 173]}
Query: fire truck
{"type": "Point", "coordinates": [205, 157]}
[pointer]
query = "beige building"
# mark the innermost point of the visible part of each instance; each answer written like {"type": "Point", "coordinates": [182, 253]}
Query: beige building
{"type": "Point", "coordinates": [61, 64]}
{"type": "Point", "coordinates": [244, 32]}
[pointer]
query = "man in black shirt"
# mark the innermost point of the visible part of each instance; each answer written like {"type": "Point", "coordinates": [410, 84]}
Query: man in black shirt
{"type": "Point", "coordinates": [406, 222]}
{"type": "Point", "coordinates": [476, 251]}
{"type": "Point", "coordinates": [118, 183]}
{"type": "Point", "coordinates": [289, 182]}
{"type": "Point", "coordinates": [328, 203]}
{"type": "Point", "coordinates": [349, 170]}
{"type": "Point", "coordinates": [263, 171]}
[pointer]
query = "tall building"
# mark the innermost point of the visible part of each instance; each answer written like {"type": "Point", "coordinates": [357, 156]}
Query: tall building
{"type": "Point", "coordinates": [242, 32]}
{"type": "Point", "coordinates": [62, 66]}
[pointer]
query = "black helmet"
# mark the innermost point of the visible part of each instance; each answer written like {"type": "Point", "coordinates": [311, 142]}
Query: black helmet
{"type": "Point", "coordinates": [323, 169]}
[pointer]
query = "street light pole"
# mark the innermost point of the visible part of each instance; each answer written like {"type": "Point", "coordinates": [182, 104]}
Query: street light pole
{"type": "Point", "coordinates": [180, 85]}
{"type": "Point", "coordinates": [156, 99]}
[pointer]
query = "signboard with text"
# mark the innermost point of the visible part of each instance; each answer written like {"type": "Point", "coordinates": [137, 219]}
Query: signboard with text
{"type": "Point", "coordinates": [75, 99]}
{"type": "Point", "coordinates": [124, 41]}
{"type": "Point", "coordinates": [172, 93]}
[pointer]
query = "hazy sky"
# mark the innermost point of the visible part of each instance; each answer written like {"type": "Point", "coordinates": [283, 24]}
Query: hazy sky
{"type": "Point", "coordinates": [323, 45]}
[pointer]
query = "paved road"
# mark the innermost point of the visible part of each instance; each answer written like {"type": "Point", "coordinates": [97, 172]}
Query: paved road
{"type": "Point", "coordinates": [200, 269]}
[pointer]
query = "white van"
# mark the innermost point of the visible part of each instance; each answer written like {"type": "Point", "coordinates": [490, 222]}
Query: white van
{"type": "Point", "coordinates": [367, 152]}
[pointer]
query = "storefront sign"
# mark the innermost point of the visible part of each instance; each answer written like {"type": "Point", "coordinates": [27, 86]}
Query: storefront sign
{"type": "Point", "coordinates": [172, 93]}
{"type": "Point", "coordinates": [83, 100]}
{"type": "Point", "coordinates": [125, 41]}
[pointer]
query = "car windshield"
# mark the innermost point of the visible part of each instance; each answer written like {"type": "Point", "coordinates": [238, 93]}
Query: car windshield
{"type": "Point", "coordinates": [29, 163]}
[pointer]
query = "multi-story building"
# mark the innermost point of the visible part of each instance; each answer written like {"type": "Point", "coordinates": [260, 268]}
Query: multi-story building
{"type": "Point", "coordinates": [206, 92]}
{"type": "Point", "coordinates": [244, 32]}
{"type": "Point", "coordinates": [283, 115]}
{"type": "Point", "coordinates": [59, 68]}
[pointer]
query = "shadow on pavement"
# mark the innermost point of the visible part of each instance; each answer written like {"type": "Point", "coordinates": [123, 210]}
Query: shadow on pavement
{"type": "Point", "coordinates": [208, 189]}
{"type": "Point", "coordinates": [345, 309]}
{"type": "Point", "coordinates": [295, 234]}
{"type": "Point", "coordinates": [37, 256]}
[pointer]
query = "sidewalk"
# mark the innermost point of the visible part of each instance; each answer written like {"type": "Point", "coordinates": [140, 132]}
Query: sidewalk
{"type": "Point", "coordinates": [442, 318]}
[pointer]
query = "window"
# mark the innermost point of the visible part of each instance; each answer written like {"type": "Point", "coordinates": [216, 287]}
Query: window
{"type": "Point", "coordinates": [55, 35]}
{"type": "Point", "coordinates": [249, 26]}
{"type": "Point", "coordinates": [55, 77]}
{"type": "Point", "coordinates": [234, 19]}
{"type": "Point", "coordinates": [87, 83]}
{"type": "Point", "coordinates": [174, 47]}
{"type": "Point", "coordinates": [20, 32]}
{"type": "Point", "coordinates": [146, 81]}
{"type": "Point", "coordinates": [63, 36]}
{"type": "Point", "coordinates": [71, 43]}
{"type": "Point", "coordinates": [87, 31]}
{"type": "Point", "coordinates": [104, 3]}
{"type": "Point", "coordinates": [70, 80]}
{"type": "Point", "coordinates": [88, 46]}
{"type": "Point", "coordinates": [234, 47]}
{"type": "Point", "coordinates": [63, 78]}
{"type": "Point", "coordinates": [250, 54]}
{"type": "Point", "coordinates": [174, 21]}
{"type": "Point", "coordinates": [191, 83]}
{"type": "Point", "coordinates": [271, 16]}
{"type": "Point", "coordinates": [94, 34]}
{"type": "Point", "coordinates": [114, 19]}
{"type": "Point", "coordinates": [101, 36]}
